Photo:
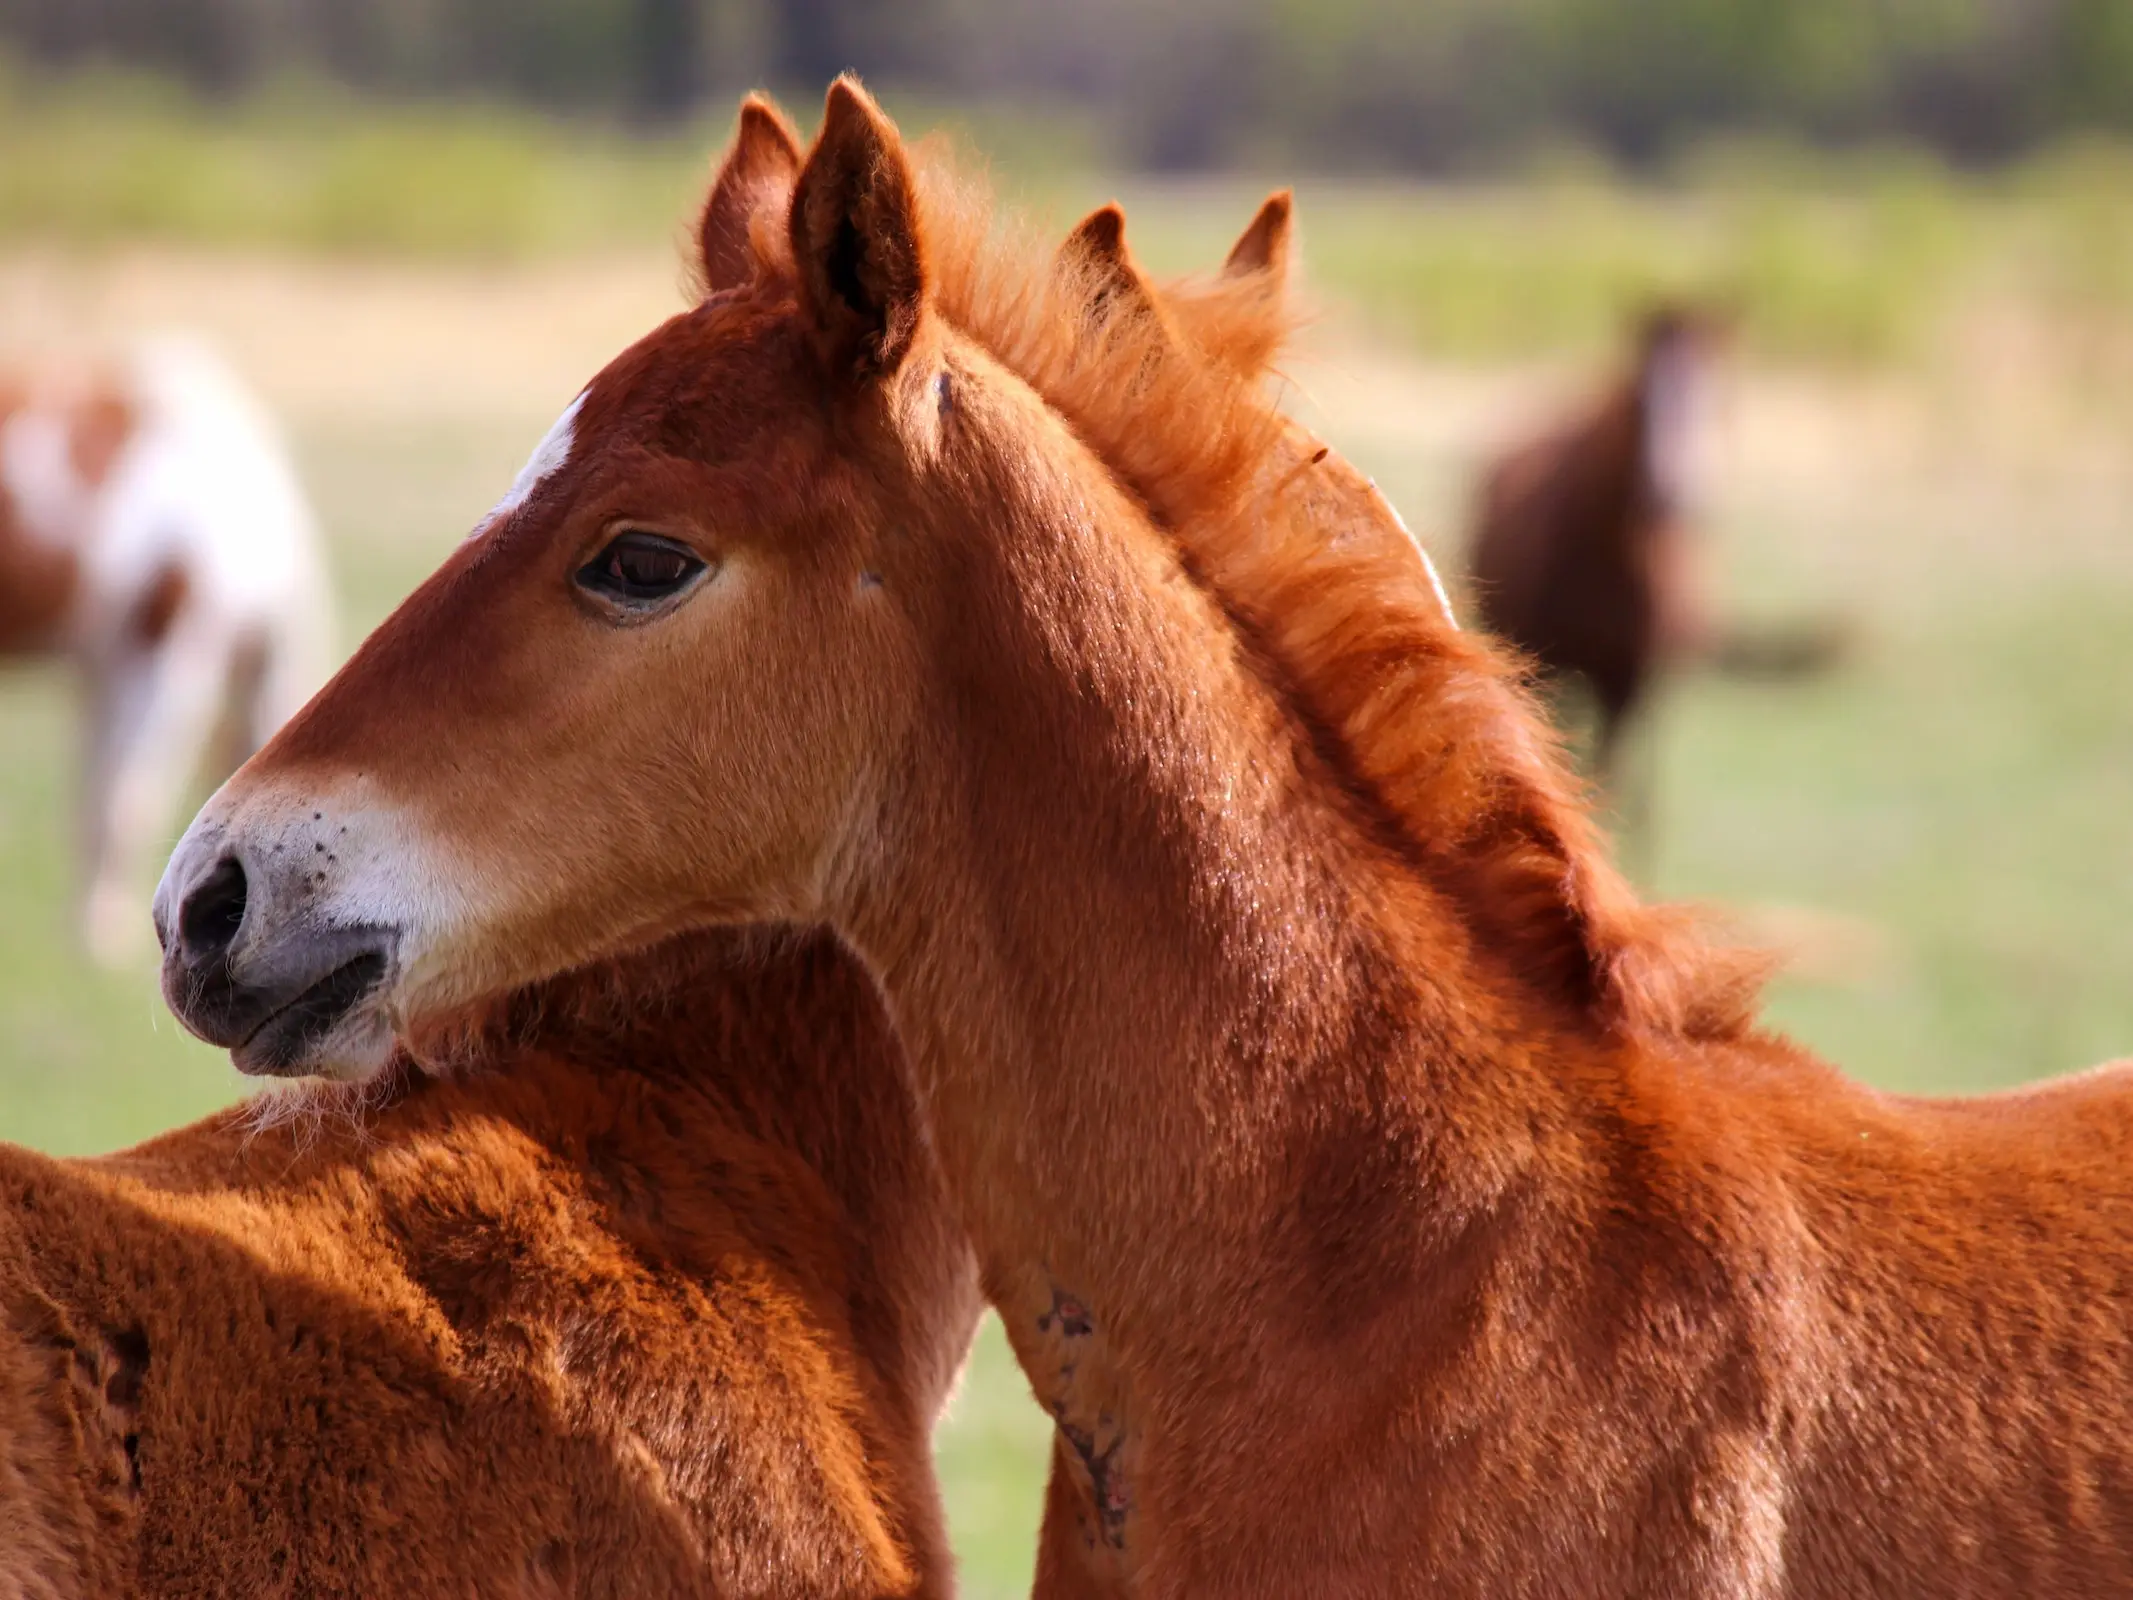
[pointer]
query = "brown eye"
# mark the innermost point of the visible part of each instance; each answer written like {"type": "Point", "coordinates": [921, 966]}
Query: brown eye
{"type": "Point", "coordinates": [640, 569]}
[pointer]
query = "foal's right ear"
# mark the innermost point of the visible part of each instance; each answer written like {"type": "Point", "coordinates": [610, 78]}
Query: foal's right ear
{"type": "Point", "coordinates": [1264, 244]}
{"type": "Point", "coordinates": [855, 237]}
{"type": "Point", "coordinates": [758, 173]}
{"type": "Point", "coordinates": [1097, 246]}
{"type": "Point", "coordinates": [1099, 237]}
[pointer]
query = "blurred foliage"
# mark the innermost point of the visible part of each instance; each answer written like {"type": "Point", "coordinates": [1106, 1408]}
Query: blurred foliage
{"type": "Point", "coordinates": [108, 155]}
{"type": "Point", "coordinates": [1863, 256]}
{"type": "Point", "coordinates": [1346, 83]}
{"type": "Point", "coordinates": [105, 157]}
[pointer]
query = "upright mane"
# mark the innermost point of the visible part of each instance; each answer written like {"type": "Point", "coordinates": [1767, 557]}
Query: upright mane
{"type": "Point", "coordinates": [1432, 725]}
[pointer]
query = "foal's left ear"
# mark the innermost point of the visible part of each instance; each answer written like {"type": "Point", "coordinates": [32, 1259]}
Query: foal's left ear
{"type": "Point", "coordinates": [1264, 244]}
{"type": "Point", "coordinates": [758, 173]}
{"type": "Point", "coordinates": [855, 237]}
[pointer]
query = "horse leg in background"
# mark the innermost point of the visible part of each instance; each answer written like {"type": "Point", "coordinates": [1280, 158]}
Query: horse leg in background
{"type": "Point", "coordinates": [152, 711]}
{"type": "Point", "coordinates": [237, 731]}
{"type": "Point", "coordinates": [272, 671]}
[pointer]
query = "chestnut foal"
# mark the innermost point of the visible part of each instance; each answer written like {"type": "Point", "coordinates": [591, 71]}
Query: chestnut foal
{"type": "Point", "coordinates": [660, 1298]}
{"type": "Point", "coordinates": [1382, 1200]}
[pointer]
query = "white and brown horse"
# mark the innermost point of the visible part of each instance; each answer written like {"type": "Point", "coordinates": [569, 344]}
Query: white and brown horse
{"type": "Point", "coordinates": [1381, 1198]}
{"type": "Point", "coordinates": [153, 530]}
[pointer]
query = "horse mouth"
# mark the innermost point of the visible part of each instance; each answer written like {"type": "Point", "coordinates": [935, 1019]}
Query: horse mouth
{"type": "Point", "coordinates": [286, 1039]}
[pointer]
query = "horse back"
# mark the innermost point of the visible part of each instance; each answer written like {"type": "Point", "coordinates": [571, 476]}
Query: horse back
{"type": "Point", "coordinates": [466, 1352]}
{"type": "Point", "coordinates": [1956, 1327]}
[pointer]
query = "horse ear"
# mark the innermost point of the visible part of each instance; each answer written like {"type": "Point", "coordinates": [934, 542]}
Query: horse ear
{"type": "Point", "coordinates": [758, 172]}
{"type": "Point", "coordinates": [1097, 246]}
{"type": "Point", "coordinates": [1264, 245]}
{"type": "Point", "coordinates": [855, 237]}
{"type": "Point", "coordinates": [1100, 236]}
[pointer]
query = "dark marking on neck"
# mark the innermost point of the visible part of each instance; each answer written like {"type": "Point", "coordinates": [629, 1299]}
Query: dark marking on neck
{"type": "Point", "coordinates": [1070, 1370]}
{"type": "Point", "coordinates": [1107, 1479]}
{"type": "Point", "coordinates": [1068, 1314]}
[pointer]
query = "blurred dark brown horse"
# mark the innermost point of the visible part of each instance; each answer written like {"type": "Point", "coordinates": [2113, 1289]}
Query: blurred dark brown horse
{"type": "Point", "coordinates": [1581, 552]}
{"type": "Point", "coordinates": [1584, 557]}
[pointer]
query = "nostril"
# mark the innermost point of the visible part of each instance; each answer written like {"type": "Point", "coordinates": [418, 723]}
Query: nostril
{"type": "Point", "coordinates": [211, 915]}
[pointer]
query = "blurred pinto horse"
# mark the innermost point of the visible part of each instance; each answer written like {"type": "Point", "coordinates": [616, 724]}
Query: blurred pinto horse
{"type": "Point", "coordinates": [153, 530]}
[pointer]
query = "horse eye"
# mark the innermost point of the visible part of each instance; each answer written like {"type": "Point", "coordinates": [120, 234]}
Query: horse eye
{"type": "Point", "coordinates": [640, 568]}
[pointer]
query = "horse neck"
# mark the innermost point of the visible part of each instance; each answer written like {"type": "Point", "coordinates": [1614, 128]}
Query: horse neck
{"type": "Point", "coordinates": [1152, 958]}
{"type": "Point", "coordinates": [810, 1062]}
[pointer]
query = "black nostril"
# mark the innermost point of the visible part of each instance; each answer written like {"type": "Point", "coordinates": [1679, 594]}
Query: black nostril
{"type": "Point", "coordinates": [211, 915]}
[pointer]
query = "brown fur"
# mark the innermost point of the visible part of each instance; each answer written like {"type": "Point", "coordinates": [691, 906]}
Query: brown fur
{"type": "Point", "coordinates": [1381, 1199]}
{"type": "Point", "coordinates": [659, 1295]}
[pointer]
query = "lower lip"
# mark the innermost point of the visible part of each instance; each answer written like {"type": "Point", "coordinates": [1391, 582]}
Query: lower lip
{"type": "Point", "coordinates": [281, 1046]}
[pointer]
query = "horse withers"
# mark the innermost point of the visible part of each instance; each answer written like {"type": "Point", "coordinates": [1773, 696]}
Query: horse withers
{"type": "Point", "coordinates": [1379, 1196]}
{"type": "Point", "coordinates": [152, 530]}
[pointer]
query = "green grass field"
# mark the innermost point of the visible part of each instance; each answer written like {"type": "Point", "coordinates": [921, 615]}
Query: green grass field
{"type": "Point", "coordinates": [1942, 824]}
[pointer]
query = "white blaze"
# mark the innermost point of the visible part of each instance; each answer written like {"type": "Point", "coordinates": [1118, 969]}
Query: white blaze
{"type": "Point", "coordinates": [548, 457]}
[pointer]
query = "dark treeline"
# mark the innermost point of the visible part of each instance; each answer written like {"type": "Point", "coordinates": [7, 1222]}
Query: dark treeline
{"type": "Point", "coordinates": [1420, 84]}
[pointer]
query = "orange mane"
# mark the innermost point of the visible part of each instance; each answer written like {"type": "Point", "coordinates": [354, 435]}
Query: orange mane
{"type": "Point", "coordinates": [1432, 726]}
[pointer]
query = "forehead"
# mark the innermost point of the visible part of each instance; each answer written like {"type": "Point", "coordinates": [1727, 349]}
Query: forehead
{"type": "Point", "coordinates": [696, 381]}
{"type": "Point", "coordinates": [715, 395]}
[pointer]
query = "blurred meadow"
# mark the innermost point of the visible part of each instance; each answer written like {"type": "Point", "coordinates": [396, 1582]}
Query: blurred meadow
{"type": "Point", "coordinates": [1924, 431]}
